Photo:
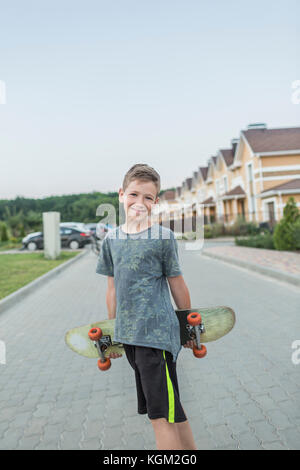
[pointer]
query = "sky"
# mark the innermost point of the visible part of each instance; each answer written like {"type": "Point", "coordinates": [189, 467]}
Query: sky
{"type": "Point", "coordinates": [93, 87]}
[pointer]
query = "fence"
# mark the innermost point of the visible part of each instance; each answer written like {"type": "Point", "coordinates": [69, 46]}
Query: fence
{"type": "Point", "coordinates": [186, 224]}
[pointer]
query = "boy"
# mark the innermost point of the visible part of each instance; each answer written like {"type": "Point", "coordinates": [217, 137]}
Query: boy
{"type": "Point", "coordinates": [139, 259]}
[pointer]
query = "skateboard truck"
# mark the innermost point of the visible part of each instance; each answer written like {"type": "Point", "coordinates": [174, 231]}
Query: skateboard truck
{"type": "Point", "coordinates": [196, 328]}
{"type": "Point", "coordinates": [101, 343]}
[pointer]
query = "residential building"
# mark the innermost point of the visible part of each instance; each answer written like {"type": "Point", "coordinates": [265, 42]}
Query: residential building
{"type": "Point", "coordinates": [253, 178]}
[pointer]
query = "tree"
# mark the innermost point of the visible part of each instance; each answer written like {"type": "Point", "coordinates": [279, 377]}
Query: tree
{"type": "Point", "coordinates": [284, 237]}
{"type": "Point", "coordinates": [296, 234]}
{"type": "Point", "coordinates": [3, 232]}
{"type": "Point", "coordinates": [33, 220]}
{"type": "Point", "coordinates": [22, 213]}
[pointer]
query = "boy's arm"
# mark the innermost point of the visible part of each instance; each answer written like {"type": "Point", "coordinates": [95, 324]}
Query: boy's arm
{"type": "Point", "coordinates": [181, 297]}
{"type": "Point", "coordinates": [180, 292]}
{"type": "Point", "coordinates": [111, 298]}
{"type": "Point", "coordinates": [111, 306]}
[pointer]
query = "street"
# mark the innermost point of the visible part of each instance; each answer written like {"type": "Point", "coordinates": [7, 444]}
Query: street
{"type": "Point", "coordinates": [243, 395]}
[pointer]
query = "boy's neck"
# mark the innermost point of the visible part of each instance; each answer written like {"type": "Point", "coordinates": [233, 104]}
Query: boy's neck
{"type": "Point", "coordinates": [136, 227]}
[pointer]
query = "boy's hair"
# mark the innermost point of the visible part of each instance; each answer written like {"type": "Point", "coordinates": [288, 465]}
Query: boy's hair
{"type": "Point", "coordinates": [143, 172]}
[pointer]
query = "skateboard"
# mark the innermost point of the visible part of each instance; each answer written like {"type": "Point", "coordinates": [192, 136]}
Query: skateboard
{"type": "Point", "coordinates": [201, 325]}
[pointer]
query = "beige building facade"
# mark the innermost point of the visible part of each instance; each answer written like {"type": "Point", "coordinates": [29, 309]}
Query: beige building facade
{"type": "Point", "coordinates": [251, 179]}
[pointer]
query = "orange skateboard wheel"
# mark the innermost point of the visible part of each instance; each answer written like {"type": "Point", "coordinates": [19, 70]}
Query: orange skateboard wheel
{"type": "Point", "coordinates": [194, 319]}
{"type": "Point", "coordinates": [200, 352]}
{"type": "Point", "coordinates": [95, 334]}
{"type": "Point", "coordinates": [104, 365]}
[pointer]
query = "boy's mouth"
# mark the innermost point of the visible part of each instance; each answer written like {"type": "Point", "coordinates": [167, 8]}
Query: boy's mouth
{"type": "Point", "coordinates": [139, 211]}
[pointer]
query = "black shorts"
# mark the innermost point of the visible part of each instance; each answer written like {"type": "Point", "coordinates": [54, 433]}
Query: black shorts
{"type": "Point", "coordinates": [156, 383]}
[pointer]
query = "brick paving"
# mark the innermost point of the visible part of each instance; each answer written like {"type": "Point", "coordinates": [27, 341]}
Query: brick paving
{"type": "Point", "coordinates": [243, 395]}
{"type": "Point", "coordinates": [284, 261]}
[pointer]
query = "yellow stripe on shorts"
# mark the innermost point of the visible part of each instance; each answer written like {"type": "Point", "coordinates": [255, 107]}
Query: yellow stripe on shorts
{"type": "Point", "coordinates": [171, 417]}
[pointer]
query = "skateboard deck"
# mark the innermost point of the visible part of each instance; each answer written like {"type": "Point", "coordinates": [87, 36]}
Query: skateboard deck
{"type": "Point", "coordinates": [202, 325]}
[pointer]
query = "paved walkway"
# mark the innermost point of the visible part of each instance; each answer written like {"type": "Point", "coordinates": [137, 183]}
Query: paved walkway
{"type": "Point", "coordinates": [284, 261]}
{"type": "Point", "coordinates": [243, 395]}
{"type": "Point", "coordinates": [27, 252]}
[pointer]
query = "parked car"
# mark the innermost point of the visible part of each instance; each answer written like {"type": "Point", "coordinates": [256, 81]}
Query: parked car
{"type": "Point", "coordinates": [76, 225]}
{"type": "Point", "coordinates": [70, 238]}
{"type": "Point", "coordinates": [32, 241]}
{"type": "Point", "coordinates": [101, 230]}
{"type": "Point", "coordinates": [92, 228]}
{"type": "Point", "coordinates": [98, 230]}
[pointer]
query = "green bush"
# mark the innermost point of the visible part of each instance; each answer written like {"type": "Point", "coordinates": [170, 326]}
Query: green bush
{"type": "Point", "coordinates": [257, 241]}
{"type": "Point", "coordinates": [285, 233]}
{"type": "Point", "coordinates": [296, 234]}
{"type": "Point", "coordinates": [242, 228]}
{"type": "Point", "coordinates": [207, 231]}
{"type": "Point", "coordinates": [218, 229]}
{"type": "Point", "coordinates": [283, 236]}
{"type": "Point", "coordinates": [3, 232]}
{"type": "Point", "coordinates": [22, 231]}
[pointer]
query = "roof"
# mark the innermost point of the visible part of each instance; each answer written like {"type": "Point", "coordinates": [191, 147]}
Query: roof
{"type": "Point", "coordinates": [238, 190]}
{"type": "Point", "coordinates": [210, 200]}
{"type": "Point", "coordinates": [203, 170]}
{"type": "Point", "coordinates": [189, 182]}
{"type": "Point", "coordinates": [234, 193]}
{"type": "Point", "coordinates": [289, 185]}
{"type": "Point", "coordinates": [168, 195]}
{"type": "Point", "coordinates": [178, 190]}
{"type": "Point", "coordinates": [228, 156]}
{"type": "Point", "coordinates": [273, 140]}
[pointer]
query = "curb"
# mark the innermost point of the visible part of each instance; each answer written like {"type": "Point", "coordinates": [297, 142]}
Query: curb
{"type": "Point", "coordinates": [279, 275]}
{"type": "Point", "coordinates": [21, 293]}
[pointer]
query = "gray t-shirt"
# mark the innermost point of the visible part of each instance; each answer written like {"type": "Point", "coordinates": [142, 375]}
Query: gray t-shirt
{"type": "Point", "coordinates": [140, 264]}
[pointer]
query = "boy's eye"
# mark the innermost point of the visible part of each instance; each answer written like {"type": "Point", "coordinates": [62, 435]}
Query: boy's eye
{"type": "Point", "coordinates": [148, 197]}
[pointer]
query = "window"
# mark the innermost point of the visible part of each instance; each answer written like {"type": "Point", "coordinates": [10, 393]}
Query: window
{"type": "Point", "coordinates": [225, 184]}
{"type": "Point", "coordinates": [271, 211]}
{"type": "Point", "coordinates": [250, 172]}
{"type": "Point", "coordinates": [251, 188]}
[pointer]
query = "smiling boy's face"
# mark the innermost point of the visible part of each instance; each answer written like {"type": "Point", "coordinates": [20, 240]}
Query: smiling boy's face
{"type": "Point", "coordinates": [138, 199]}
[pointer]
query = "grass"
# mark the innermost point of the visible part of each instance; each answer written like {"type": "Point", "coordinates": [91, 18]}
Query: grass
{"type": "Point", "coordinates": [9, 245]}
{"type": "Point", "coordinates": [17, 270]}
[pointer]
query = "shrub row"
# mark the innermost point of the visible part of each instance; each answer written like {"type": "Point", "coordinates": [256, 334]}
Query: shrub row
{"type": "Point", "coordinates": [286, 234]}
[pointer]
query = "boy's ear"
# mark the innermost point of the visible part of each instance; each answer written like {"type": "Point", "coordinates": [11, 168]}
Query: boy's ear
{"type": "Point", "coordinates": [121, 195]}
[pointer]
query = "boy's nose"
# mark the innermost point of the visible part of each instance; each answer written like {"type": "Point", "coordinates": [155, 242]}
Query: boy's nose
{"type": "Point", "coordinates": [140, 207]}
{"type": "Point", "coordinates": [140, 201]}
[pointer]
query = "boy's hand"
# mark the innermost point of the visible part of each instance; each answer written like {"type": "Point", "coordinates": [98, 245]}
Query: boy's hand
{"type": "Point", "coordinates": [114, 355]}
{"type": "Point", "coordinates": [189, 345]}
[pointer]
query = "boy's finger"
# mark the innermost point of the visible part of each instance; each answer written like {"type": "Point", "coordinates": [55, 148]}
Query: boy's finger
{"type": "Point", "coordinates": [115, 355]}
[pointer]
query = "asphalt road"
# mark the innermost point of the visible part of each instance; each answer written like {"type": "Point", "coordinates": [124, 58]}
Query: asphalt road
{"type": "Point", "coordinates": [243, 395]}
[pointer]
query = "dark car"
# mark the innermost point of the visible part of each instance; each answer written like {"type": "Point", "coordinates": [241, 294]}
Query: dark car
{"type": "Point", "coordinates": [91, 228]}
{"type": "Point", "coordinates": [98, 230]}
{"type": "Point", "coordinates": [70, 238]}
